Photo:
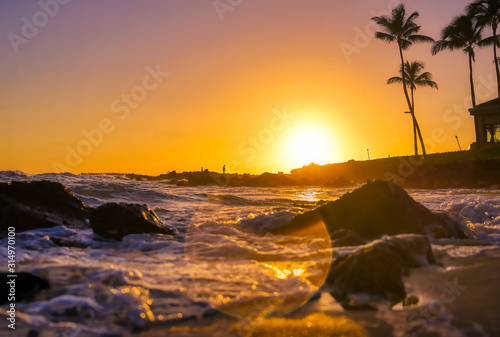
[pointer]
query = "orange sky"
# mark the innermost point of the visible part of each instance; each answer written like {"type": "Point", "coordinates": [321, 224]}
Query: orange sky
{"type": "Point", "coordinates": [153, 86]}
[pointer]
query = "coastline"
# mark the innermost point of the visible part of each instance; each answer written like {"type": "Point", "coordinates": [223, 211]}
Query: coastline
{"type": "Point", "coordinates": [461, 169]}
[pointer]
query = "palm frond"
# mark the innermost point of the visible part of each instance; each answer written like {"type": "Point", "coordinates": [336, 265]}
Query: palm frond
{"type": "Point", "coordinates": [485, 12]}
{"type": "Point", "coordinates": [462, 33]}
{"type": "Point", "coordinates": [442, 45]}
{"type": "Point", "coordinates": [413, 77]}
{"type": "Point", "coordinates": [409, 26]}
{"type": "Point", "coordinates": [420, 38]}
{"type": "Point", "coordinates": [413, 16]}
{"type": "Point", "coordinates": [491, 40]}
{"type": "Point", "coordinates": [425, 80]}
{"type": "Point", "coordinates": [412, 30]}
{"type": "Point", "coordinates": [395, 79]}
{"type": "Point", "coordinates": [404, 43]}
{"type": "Point", "coordinates": [384, 36]}
{"type": "Point", "coordinates": [381, 20]}
{"type": "Point", "coordinates": [430, 84]}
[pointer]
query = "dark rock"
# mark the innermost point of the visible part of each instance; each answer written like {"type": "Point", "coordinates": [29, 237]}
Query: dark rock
{"type": "Point", "coordinates": [382, 328]}
{"type": "Point", "coordinates": [32, 333]}
{"type": "Point", "coordinates": [207, 178]}
{"type": "Point", "coordinates": [271, 180]}
{"type": "Point", "coordinates": [410, 301]}
{"type": "Point", "coordinates": [466, 174]}
{"type": "Point", "coordinates": [461, 324]}
{"type": "Point", "coordinates": [114, 221]}
{"type": "Point", "coordinates": [357, 306]}
{"type": "Point", "coordinates": [27, 286]}
{"type": "Point", "coordinates": [314, 297]}
{"type": "Point", "coordinates": [39, 204]}
{"type": "Point", "coordinates": [378, 268]}
{"type": "Point", "coordinates": [204, 178]}
{"type": "Point", "coordinates": [378, 208]}
{"type": "Point", "coordinates": [345, 237]}
{"type": "Point", "coordinates": [420, 331]}
{"type": "Point", "coordinates": [62, 242]}
{"type": "Point", "coordinates": [491, 331]}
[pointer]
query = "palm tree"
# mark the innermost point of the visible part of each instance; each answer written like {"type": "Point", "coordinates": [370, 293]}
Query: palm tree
{"type": "Point", "coordinates": [403, 30]}
{"type": "Point", "coordinates": [413, 78]}
{"type": "Point", "coordinates": [463, 33]}
{"type": "Point", "coordinates": [487, 13]}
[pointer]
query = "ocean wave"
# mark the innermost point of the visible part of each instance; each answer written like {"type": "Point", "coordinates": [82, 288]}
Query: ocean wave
{"type": "Point", "coordinates": [266, 223]}
{"type": "Point", "coordinates": [8, 176]}
{"type": "Point", "coordinates": [224, 254]}
{"type": "Point", "coordinates": [229, 199]}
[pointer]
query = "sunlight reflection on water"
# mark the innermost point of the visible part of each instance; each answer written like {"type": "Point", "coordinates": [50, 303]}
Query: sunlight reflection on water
{"type": "Point", "coordinates": [266, 279]}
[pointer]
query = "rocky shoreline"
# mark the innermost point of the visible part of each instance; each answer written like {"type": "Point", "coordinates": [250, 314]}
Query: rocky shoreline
{"type": "Point", "coordinates": [393, 231]}
{"type": "Point", "coordinates": [466, 169]}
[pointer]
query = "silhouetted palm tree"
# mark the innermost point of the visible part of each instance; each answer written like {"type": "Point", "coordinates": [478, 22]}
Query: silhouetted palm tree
{"type": "Point", "coordinates": [413, 78]}
{"type": "Point", "coordinates": [487, 13]}
{"type": "Point", "coordinates": [463, 33]}
{"type": "Point", "coordinates": [403, 30]}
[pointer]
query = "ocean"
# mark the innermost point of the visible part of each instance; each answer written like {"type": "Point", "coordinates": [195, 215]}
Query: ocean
{"type": "Point", "coordinates": [223, 273]}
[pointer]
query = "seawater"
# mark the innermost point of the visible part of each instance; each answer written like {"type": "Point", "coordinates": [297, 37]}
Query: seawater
{"type": "Point", "coordinates": [222, 259]}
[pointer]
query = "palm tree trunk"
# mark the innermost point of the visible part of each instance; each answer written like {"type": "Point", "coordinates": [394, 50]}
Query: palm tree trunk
{"type": "Point", "coordinates": [420, 136]}
{"type": "Point", "coordinates": [496, 59]}
{"type": "Point", "coordinates": [417, 127]}
{"type": "Point", "coordinates": [406, 91]}
{"type": "Point", "coordinates": [415, 143]}
{"type": "Point", "coordinates": [415, 135]}
{"type": "Point", "coordinates": [403, 77]}
{"type": "Point", "coordinates": [472, 94]}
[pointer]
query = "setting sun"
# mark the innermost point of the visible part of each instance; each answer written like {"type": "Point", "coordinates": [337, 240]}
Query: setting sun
{"type": "Point", "coordinates": [309, 144]}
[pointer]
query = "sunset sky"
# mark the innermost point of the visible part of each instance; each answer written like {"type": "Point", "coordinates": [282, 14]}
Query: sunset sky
{"type": "Point", "coordinates": [151, 86]}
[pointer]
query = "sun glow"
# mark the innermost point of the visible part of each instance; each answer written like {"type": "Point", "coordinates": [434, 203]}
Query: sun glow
{"type": "Point", "coordinates": [309, 144]}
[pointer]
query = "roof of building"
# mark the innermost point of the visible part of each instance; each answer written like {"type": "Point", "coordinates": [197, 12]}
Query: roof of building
{"type": "Point", "coordinates": [490, 105]}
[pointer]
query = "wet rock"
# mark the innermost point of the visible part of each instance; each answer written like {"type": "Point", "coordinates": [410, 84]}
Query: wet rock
{"type": "Point", "coordinates": [62, 242]}
{"type": "Point", "coordinates": [410, 301]}
{"type": "Point", "coordinates": [461, 324]}
{"type": "Point", "coordinates": [32, 333]}
{"type": "Point", "coordinates": [357, 306]}
{"type": "Point", "coordinates": [345, 237]}
{"type": "Point", "coordinates": [378, 208]}
{"type": "Point", "coordinates": [74, 308]}
{"type": "Point", "coordinates": [39, 204]}
{"type": "Point", "coordinates": [26, 287]}
{"type": "Point", "coordinates": [115, 220]}
{"type": "Point", "coordinates": [378, 268]}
